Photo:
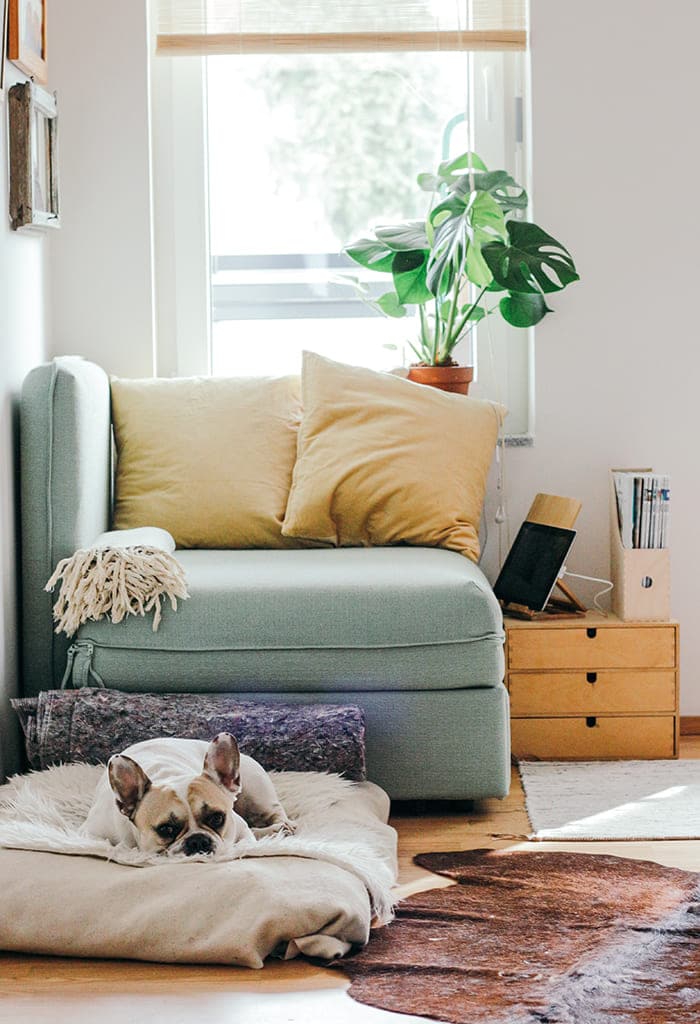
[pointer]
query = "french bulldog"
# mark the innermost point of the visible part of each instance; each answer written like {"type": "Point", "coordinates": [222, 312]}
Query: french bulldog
{"type": "Point", "coordinates": [185, 797]}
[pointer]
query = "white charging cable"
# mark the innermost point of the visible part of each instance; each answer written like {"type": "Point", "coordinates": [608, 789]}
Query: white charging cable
{"type": "Point", "coordinates": [608, 585]}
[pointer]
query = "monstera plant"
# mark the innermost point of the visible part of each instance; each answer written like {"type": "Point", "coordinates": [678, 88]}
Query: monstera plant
{"type": "Point", "coordinates": [473, 256]}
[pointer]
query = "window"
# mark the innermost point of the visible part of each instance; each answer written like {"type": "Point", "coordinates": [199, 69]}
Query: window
{"type": "Point", "coordinates": [293, 156]}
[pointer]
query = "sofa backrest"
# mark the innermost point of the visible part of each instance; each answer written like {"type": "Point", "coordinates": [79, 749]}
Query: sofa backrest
{"type": "Point", "coordinates": [66, 471]}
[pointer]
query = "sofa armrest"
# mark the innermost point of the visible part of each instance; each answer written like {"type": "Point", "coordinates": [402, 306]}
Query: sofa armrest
{"type": "Point", "coordinates": [66, 474]}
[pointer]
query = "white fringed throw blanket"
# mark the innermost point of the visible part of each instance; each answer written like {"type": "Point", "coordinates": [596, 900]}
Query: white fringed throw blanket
{"type": "Point", "coordinates": [125, 572]}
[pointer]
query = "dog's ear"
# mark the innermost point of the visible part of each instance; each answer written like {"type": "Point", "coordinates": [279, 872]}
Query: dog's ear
{"type": "Point", "coordinates": [222, 762]}
{"type": "Point", "coordinates": [129, 782]}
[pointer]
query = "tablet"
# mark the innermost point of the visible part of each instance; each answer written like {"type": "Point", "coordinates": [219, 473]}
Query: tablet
{"type": "Point", "coordinates": [532, 567]}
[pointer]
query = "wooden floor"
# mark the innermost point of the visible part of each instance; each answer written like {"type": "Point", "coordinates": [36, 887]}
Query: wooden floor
{"type": "Point", "coordinates": [43, 990]}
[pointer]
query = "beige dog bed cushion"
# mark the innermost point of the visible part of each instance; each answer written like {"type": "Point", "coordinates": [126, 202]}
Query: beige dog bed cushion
{"type": "Point", "coordinates": [315, 893]}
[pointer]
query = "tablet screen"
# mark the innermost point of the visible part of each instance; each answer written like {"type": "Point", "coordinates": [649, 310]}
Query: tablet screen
{"type": "Point", "coordinates": [533, 565]}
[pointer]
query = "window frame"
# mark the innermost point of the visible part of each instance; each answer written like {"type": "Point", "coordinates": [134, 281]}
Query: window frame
{"type": "Point", "coordinates": [180, 216]}
{"type": "Point", "coordinates": [183, 317]}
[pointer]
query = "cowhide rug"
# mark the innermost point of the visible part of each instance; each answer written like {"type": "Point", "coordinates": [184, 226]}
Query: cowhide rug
{"type": "Point", "coordinates": [530, 937]}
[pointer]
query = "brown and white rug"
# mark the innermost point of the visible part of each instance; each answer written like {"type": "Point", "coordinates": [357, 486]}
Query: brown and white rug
{"type": "Point", "coordinates": [529, 938]}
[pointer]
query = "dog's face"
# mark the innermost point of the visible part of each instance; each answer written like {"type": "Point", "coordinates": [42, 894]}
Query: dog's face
{"type": "Point", "coordinates": [190, 817]}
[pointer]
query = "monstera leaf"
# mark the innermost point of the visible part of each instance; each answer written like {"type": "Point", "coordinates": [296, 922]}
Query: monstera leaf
{"type": "Point", "coordinates": [532, 262]}
{"type": "Point", "coordinates": [450, 171]}
{"type": "Point", "coordinates": [371, 254]}
{"type": "Point", "coordinates": [409, 271]}
{"type": "Point", "coordinates": [462, 227]}
{"type": "Point", "coordinates": [390, 305]}
{"type": "Point", "coordinates": [448, 226]}
{"type": "Point", "coordinates": [498, 184]}
{"type": "Point", "coordinates": [403, 237]}
{"type": "Point", "coordinates": [408, 267]}
{"type": "Point", "coordinates": [523, 309]}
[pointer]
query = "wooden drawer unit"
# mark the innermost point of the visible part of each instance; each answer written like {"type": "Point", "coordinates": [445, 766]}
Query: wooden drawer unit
{"type": "Point", "coordinates": [592, 647]}
{"type": "Point", "coordinates": [592, 693]}
{"type": "Point", "coordinates": [585, 739]}
{"type": "Point", "coordinates": [584, 689]}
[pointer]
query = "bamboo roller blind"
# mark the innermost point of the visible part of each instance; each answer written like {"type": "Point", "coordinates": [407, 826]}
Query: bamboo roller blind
{"type": "Point", "coordinates": [200, 27]}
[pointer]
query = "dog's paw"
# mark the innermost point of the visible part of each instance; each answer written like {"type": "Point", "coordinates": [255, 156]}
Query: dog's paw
{"type": "Point", "coordinates": [280, 828]}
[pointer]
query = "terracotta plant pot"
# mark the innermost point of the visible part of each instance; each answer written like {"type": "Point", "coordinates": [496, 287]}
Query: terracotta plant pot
{"type": "Point", "coordinates": [447, 378]}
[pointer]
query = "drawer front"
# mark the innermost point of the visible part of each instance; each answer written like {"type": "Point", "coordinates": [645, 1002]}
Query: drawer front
{"type": "Point", "coordinates": [592, 648]}
{"type": "Point", "coordinates": [592, 693]}
{"type": "Point", "coordinates": [584, 739]}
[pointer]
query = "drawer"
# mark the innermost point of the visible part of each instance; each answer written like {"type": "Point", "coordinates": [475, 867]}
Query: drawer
{"type": "Point", "coordinates": [592, 647]}
{"type": "Point", "coordinates": [592, 693]}
{"type": "Point", "coordinates": [584, 739]}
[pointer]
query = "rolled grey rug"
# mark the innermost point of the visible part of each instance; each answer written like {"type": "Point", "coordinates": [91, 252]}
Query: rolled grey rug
{"type": "Point", "coordinates": [90, 725]}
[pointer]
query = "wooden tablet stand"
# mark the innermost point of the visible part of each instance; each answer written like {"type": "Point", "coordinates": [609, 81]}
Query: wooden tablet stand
{"type": "Point", "coordinates": [556, 607]}
{"type": "Point", "coordinates": [552, 510]}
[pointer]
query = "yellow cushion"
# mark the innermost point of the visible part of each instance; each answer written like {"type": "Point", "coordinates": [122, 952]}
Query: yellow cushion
{"type": "Point", "coordinates": [208, 459]}
{"type": "Point", "coordinates": [382, 461]}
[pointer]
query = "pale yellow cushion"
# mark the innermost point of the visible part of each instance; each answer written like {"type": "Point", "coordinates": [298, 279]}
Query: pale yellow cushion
{"type": "Point", "coordinates": [210, 460]}
{"type": "Point", "coordinates": [382, 461]}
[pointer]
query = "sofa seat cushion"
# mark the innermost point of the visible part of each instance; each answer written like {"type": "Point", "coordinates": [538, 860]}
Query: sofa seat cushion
{"type": "Point", "coordinates": [399, 618]}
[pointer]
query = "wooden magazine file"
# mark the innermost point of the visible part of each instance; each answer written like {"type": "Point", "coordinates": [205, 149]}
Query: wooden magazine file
{"type": "Point", "coordinates": [641, 576]}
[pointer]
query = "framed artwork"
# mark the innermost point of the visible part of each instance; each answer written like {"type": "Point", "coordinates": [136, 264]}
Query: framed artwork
{"type": "Point", "coordinates": [33, 119]}
{"type": "Point", "coordinates": [27, 37]}
{"type": "Point", "coordinates": [3, 44]}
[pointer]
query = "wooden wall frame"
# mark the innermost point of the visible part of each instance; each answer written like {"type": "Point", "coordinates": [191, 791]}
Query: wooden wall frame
{"type": "Point", "coordinates": [33, 119]}
{"type": "Point", "coordinates": [4, 18]}
{"type": "Point", "coordinates": [27, 50]}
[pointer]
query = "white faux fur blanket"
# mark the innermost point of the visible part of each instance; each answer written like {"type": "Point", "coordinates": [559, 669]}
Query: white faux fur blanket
{"type": "Point", "coordinates": [340, 822]}
{"type": "Point", "coordinates": [125, 572]}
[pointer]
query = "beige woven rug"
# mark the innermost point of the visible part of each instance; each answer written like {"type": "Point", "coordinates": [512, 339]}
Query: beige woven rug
{"type": "Point", "coordinates": [612, 800]}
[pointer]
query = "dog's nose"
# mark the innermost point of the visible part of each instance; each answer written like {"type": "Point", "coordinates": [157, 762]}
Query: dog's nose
{"type": "Point", "coordinates": [198, 842]}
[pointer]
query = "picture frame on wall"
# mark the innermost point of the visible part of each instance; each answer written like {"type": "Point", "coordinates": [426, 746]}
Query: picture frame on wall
{"type": "Point", "coordinates": [33, 123]}
{"type": "Point", "coordinates": [4, 17]}
{"type": "Point", "coordinates": [27, 38]}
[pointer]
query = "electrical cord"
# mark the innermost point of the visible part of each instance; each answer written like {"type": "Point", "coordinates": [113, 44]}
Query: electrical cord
{"type": "Point", "coordinates": [593, 579]}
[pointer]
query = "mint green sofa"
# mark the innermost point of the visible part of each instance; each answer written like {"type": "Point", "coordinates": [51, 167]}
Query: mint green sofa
{"type": "Point", "coordinates": [412, 635]}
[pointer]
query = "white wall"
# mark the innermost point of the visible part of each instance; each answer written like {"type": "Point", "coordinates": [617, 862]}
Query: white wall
{"type": "Point", "coordinates": [102, 294]}
{"type": "Point", "coordinates": [615, 162]}
{"type": "Point", "coordinates": [22, 333]}
{"type": "Point", "coordinates": [618, 365]}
